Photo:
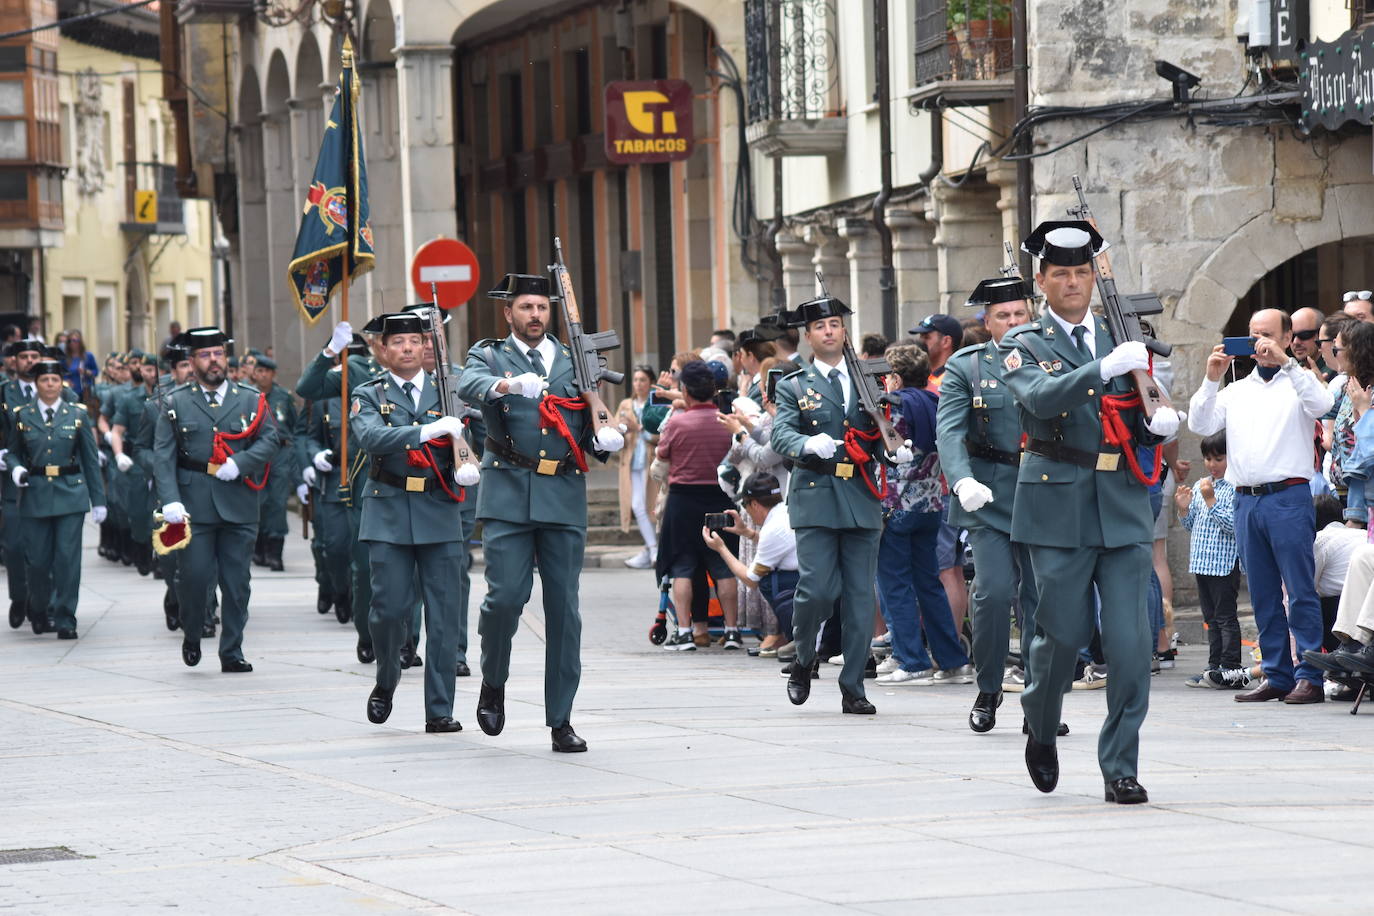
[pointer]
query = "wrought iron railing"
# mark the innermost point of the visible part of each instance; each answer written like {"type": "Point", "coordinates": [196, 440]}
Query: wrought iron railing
{"type": "Point", "coordinates": [793, 59]}
{"type": "Point", "coordinates": [963, 40]}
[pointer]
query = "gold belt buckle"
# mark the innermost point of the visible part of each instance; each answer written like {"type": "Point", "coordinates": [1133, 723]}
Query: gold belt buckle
{"type": "Point", "coordinates": [547, 466]}
{"type": "Point", "coordinates": [415, 485]}
{"type": "Point", "coordinates": [213, 468]}
{"type": "Point", "coordinates": [978, 401]}
{"type": "Point", "coordinates": [844, 470]}
{"type": "Point", "coordinates": [1108, 461]}
{"type": "Point", "coordinates": [51, 470]}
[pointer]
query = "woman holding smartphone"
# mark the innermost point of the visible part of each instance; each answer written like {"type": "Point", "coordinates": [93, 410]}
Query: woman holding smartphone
{"type": "Point", "coordinates": [636, 497]}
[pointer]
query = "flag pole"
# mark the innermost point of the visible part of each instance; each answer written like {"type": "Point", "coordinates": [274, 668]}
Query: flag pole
{"type": "Point", "coordinates": [350, 228]}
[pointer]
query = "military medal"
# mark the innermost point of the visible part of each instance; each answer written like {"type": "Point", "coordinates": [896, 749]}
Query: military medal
{"type": "Point", "coordinates": [1012, 361]}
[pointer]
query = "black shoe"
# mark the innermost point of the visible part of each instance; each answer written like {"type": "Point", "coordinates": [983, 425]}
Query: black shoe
{"type": "Point", "coordinates": [259, 555]}
{"type": "Point", "coordinates": [378, 705]}
{"type": "Point", "coordinates": [272, 554]}
{"type": "Point", "coordinates": [323, 600]}
{"type": "Point", "coordinates": [343, 607]}
{"type": "Point", "coordinates": [1126, 791]}
{"type": "Point", "coordinates": [39, 625]}
{"type": "Point", "coordinates": [798, 683]}
{"type": "Point", "coordinates": [1042, 762]}
{"type": "Point", "coordinates": [170, 610]}
{"type": "Point", "coordinates": [565, 740]}
{"type": "Point", "coordinates": [67, 633]}
{"type": "Point", "coordinates": [871, 668]}
{"type": "Point", "coordinates": [234, 666]}
{"type": "Point", "coordinates": [1363, 660]}
{"type": "Point", "coordinates": [173, 620]}
{"type": "Point", "coordinates": [491, 709]}
{"type": "Point", "coordinates": [409, 657]}
{"type": "Point", "coordinates": [463, 670]}
{"type": "Point", "coordinates": [190, 653]}
{"type": "Point", "coordinates": [366, 655]}
{"type": "Point", "coordinates": [983, 716]}
{"type": "Point", "coordinates": [17, 614]}
{"type": "Point", "coordinates": [1061, 731]}
{"type": "Point", "coordinates": [856, 706]}
{"type": "Point", "coordinates": [443, 724]}
{"type": "Point", "coordinates": [207, 631]}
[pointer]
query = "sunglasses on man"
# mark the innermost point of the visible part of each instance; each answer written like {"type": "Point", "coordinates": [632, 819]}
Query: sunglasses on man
{"type": "Point", "coordinates": [1354, 294]}
{"type": "Point", "coordinates": [1305, 335]}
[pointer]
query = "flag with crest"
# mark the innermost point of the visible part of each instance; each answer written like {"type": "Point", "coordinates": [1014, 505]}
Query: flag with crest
{"type": "Point", "coordinates": [330, 228]}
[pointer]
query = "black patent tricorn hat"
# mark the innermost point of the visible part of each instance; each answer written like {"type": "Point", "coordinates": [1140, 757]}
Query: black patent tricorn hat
{"type": "Point", "coordinates": [998, 289]}
{"type": "Point", "coordinates": [1065, 243]}
{"type": "Point", "coordinates": [816, 309]}
{"type": "Point", "coordinates": [513, 286]}
{"type": "Point", "coordinates": [201, 338]}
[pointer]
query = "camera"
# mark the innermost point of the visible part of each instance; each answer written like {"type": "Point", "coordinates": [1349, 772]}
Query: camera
{"type": "Point", "coordinates": [717, 521]}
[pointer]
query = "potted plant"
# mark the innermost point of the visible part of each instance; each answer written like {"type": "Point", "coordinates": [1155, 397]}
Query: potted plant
{"type": "Point", "coordinates": [979, 37]}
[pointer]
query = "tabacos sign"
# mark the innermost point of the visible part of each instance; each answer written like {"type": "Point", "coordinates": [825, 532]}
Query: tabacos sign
{"type": "Point", "coordinates": [648, 121]}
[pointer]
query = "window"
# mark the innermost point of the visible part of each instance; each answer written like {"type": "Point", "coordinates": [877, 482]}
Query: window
{"type": "Point", "coordinates": [14, 140]}
{"type": "Point", "coordinates": [13, 59]}
{"type": "Point", "coordinates": [543, 104]}
{"type": "Point", "coordinates": [14, 184]}
{"type": "Point", "coordinates": [12, 98]}
{"type": "Point", "coordinates": [513, 123]}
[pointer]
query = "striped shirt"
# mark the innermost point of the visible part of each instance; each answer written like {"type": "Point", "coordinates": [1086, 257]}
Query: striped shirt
{"type": "Point", "coordinates": [1213, 548]}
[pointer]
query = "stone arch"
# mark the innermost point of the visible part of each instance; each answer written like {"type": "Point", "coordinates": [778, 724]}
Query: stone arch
{"type": "Point", "coordinates": [278, 86]}
{"type": "Point", "coordinates": [378, 33]}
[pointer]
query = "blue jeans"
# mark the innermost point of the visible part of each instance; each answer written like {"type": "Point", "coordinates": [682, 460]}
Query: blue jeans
{"type": "Point", "coordinates": [778, 589]}
{"type": "Point", "coordinates": [1274, 533]}
{"type": "Point", "coordinates": [912, 595]}
{"type": "Point", "coordinates": [1155, 604]}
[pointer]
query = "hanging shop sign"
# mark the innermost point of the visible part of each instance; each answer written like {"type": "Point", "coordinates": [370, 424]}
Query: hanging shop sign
{"type": "Point", "coordinates": [1336, 79]}
{"type": "Point", "coordinates": [648, 121]}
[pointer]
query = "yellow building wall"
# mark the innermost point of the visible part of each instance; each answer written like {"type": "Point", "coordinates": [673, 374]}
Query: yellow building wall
{"type": "Point", "coordinates": [88, 278]}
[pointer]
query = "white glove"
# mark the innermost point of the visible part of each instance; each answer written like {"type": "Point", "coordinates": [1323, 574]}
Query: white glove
{"type": "Point", "coordinates": [321, 462]}
{"type": "Point", "coordinates": [303, 494]}
{"type": "Point", "coordinates": [308, 475]}
{"type": "Point", "coordinates": [20, 476]}
{"type": "Point", "coordinates": [3, 453]}
{"type": "Point", "coordinates": [467, 475]}
{"type": "Point", "coordinates": [820, 445]}
{"type": "Point", "coordinates": [174, 513]}
{"type": "Point", "coordinates": [341, 338]}
{"type": "Point", "coordinates": [100, 456]}
{"type": "Point", "coordinates": [1125, 358]}
{"type": "Point", "coordinates": [609, 440]}
{"type": "Point", "coordinates": [107, 436]}
{"type": "Point", "coordinates": [1165, 422]}
{"type": "Point", "coordinates": [904, 453]}
{"type": "Point", "coordinates": [227, 471]}
{"type": "Point", "coordinates": [444, 426]}
{"type": "Point", "coordinates": [529, 385]}
{"type": "Point", "coordinates": [972, 494]}
{"type": "Point", "coordinates": [123, 461]}
{"type": "Point", "coordinates": [98, 514]}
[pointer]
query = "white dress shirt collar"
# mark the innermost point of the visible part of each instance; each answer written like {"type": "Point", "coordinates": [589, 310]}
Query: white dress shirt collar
{"type": "Point", "coordinates": [418, 381]}
{"type": "Point", "coordinates": [1089, 339]}
{"type": "Point", "coordinates": [219, 392]}
{"type": "Point", "coordinates": [546, 347]}
{"type": "Point", "coordinates": [824, 369]}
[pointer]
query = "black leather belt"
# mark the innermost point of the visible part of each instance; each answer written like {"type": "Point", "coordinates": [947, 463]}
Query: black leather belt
{"type": "Point", "coordinates": [546, 466]}
{"type": "Point", "coordinates": [1277, 486]}
{"type": "Point", "coordinates": [420, 484]}
{"type": "Point", "coordinates": [1058, 451]}
{"type": "Point", "coordinates": [839, 468]}
{"type": "Point", "coordinates": [988, 453]}
{"type": "Point", "coordinates": [190, 464]}
{"type": "Point", "coordinates": [55, 470]}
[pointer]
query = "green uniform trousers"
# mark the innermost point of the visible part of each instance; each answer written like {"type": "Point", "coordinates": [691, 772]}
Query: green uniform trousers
{"type": "Point", "coordinates": [1002, 572]}
{"type": "Point", "coordinates": [272, 509]}
{"type": "Point", "coordinates": [510, 550]}
{"type": "Point", "coordinates": [218, 554]}
{"type": "Point", "coordinates": [52, 546]}
{"type": "Point", "coordinates": [334, 535]}
{"type": "Point", "coordinates": [361, 573]}
{"type": "Point", "coordinates": [140, 506]}
{"type": "Point", "coordinates": [1064, 625]}
{"type": "Point", "coordinates": [837, 564]}
{"type": "Point", "coordinates": [395, 568]}
{"type": "Point", "coordinates": [16, 563]}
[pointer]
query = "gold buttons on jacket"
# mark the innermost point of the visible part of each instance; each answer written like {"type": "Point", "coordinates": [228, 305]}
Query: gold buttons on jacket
{"type": "Point", "coordinates": [1044, 476]}
{"type": "Point", "coordinates": [1091, 392]}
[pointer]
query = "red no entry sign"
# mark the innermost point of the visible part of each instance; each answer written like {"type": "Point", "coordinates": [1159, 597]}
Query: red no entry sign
{"type": "Point", "coordinates": [451, 266]}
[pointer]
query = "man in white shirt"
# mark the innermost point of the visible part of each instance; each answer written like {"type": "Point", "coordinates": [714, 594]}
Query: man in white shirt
{"type": "Point", "coordinates": [774, 570]}
{"type": "Point", "coordinates": [1268, 417]}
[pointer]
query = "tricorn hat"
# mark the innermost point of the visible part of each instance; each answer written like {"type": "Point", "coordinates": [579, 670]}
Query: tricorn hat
{"type": "Point", "coordinates": [427, 305]}
{"type": "Point", "coordinates": [402, 323]}
{"type": "Point", "coordinates": [31, 344]}
{"type": "Point", "coordinates": [998, 289]}
{"type": "Point", "coordinates": [45, 367]}
{"type": "Point", "coordinates": [816, 309]}
{"type": "Point", "coordinates": [1066, 243]}
{"type": "Point", "coordinates": [374, 325]}
{"type": "Point", "coordinates": [266, 362]}
{"type": "Point", "coordinates": [359, 346]}
{"type": "Point", "coordinates": [174, 354]}
{"type": "Point", "coordinates": [201, 338]}
{"type": "Point", "coordinates": [514, 285]}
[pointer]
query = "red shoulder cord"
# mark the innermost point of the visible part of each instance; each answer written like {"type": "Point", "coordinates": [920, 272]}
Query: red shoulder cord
{"type": "Point", "coordinates": [221, 450]}
{"type": "Point", "coordinates": [549, 415]}
{"type": "Point", "coordinates": [422, 457]}
{"type": "Point", "coordinates": [1114, 432]}
{"type": "Point", "coordinates": [854, 448]}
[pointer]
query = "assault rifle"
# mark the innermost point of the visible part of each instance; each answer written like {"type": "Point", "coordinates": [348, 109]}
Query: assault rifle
{"type": "Point", "coordinates": [864, 375]}
{"type": "Point", "coordinates": [450, 404]}
{"type": "Point", "coordinates": [1123, 313]}
{"type": "Point", "coordinates": [589, 366]}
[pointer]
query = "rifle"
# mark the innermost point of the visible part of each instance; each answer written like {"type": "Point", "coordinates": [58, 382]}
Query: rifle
{"type": "Point", "coordinates": [308, 508]}
{"type": "Point", "coordinates": [864, 375]}
{"type": "Point", "coordinates": [450, 404]}
{"type": "Point", "coordinates": [1123, 312]}
{"type": "Point", "coordinates": [589, 366]}
{"type": "Point", "coordinates": [1011, 268]}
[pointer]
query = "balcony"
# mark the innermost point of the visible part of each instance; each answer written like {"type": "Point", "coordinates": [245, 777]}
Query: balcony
{"type": "Point", "coordinates": [792, 57]}
{"type": "Point", "coordinates": [166, 215]}
{"type": "Point", "coordinates": [963, 53]}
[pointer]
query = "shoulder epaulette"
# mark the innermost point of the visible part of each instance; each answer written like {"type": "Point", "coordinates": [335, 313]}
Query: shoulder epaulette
{"type": "Point", "coordinates": [1021, 329]}
{"type": "Point", "coordinates": [182, 387]}
{"type": "Point", "coordinates": [970, 349]}
{"type": "Point", "coordinates": [793, 373]}
{"type": "Point", "coordinates": [486, 342]}
{"type": "Point", "coordinates": [251, 389]}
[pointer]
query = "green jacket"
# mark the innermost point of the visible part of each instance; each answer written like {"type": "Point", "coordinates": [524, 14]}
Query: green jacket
{"type": "Point", "coordinates": [68, 443]}
{"type": "Point", "coordinates": [992, 422]}
{"type": "Point", "coordinates": [808, 405]}
{"type": "Point", "coordinates": [283, 407]}
{"type": "Point", "coordinates": [1059, 504]}
{"type": "Point", "coordinates": [386, 424]}
{"type": "Point", "coordinates": [11, 400]}
{"type": "Point", "coordinates": [185, 436]}
{"type": "Point", "coordinates": [522, 495]}
{"type": "Point", "coordinates": [321, 378]}
{"type": "Point", "coordinates": [324, 428]}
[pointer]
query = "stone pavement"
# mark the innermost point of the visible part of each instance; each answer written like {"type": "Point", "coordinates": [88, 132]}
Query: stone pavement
{"type": "Point", "coordinates": [703, 789]}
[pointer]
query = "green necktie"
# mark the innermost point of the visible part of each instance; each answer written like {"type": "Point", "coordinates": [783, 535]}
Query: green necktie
{"type": "Point", "coordinates": [1079, 333]}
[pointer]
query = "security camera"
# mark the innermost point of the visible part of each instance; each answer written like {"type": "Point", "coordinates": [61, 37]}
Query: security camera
{"type": "Point", "coordinates": [1182, 80]}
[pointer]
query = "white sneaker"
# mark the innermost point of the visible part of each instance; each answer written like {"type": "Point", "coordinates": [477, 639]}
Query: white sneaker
{"type": "Point", "coordinates": [888, 665]}
{"type": "Point", "coordinates": [901, 676]}
{"type": "Point", "coordinates": [1013, 680]}
{"type": "Point", "coordinates": [835, 660]}
{"type": "Point", "coordinates": [1094, 678]}
{"type": "Point", "coordinates": [641, 560]}
{"type": "Point", "coordinates": [961, 675]}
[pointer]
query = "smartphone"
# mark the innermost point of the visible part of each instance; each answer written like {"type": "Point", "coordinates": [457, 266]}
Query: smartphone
{"type": "Point", "coordinates": [656, 396]}
{"type": "Point", "coordinates": [717, 521]}
{"type": "Point", "coordinates": [771, 385]}
{"type": "Point", "coordinates": [1238, 346]}
{"type": "Point", "coordinates": [725, 401]}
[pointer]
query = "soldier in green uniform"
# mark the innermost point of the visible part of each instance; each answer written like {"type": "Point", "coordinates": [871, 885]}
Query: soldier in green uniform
{"type": "Point", "coordinates": [212, 448]}
{"type": "Point", "coordinates": [1080, 509]}
{"type": "Point", "coordinates": [533, 501]}
{"type": "Point", "coordinates": [272, 529]}
{"type": "Point", "coordinates": [979, 438]}
{"type": "Point", "coordinates": [177, 363]}
{"type": "Point", "coordinates": [52, 462]}
{"type": "Point", "coordinates": [837, 518]}
{"type": "Point", "coordinates": [411, 520]}
{"type": "Point", "coordinates": [110, 379]}
{"type": "Point", "coordinates": [121, 539]}
{"type": "Point", "coordinates": [132, 469]}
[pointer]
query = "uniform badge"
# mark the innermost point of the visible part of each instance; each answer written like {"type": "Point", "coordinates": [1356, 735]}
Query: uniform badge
{"type": "Point", "coordinates": [357, 406]}
{"type": "Point", "coordinates": [1012, 361]}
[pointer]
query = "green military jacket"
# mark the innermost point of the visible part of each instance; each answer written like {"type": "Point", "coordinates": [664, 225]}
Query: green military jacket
{"type": "Point", "coordinates": [386, 424]}
{"type": "Point", "coordinates": [182, 450]}
{"type": "Point", "coordinates": [283, 407]}
{"type": "Point", "coordinates": [979, 417]}
{"type": "Point", "coordinates": [62, 461]}
{"type": "Point", "coordinates": [11, 401]}
{"type": "Point", "coordinates": [324, 429]}
{"type": "Point", "coordinates": [516, 494]}
{"type": "Point", "coordinates": [131, 412]}
{"type": "Point", "coordinates": [321, 378]}
{"type": "Point", "coordinates": [808, 405]}
{"type": "Point", "coordinates": [1059, 504]}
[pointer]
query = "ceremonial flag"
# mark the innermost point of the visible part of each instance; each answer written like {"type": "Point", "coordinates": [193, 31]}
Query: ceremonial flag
{"type": "Point", "coordinates": [334, 226]}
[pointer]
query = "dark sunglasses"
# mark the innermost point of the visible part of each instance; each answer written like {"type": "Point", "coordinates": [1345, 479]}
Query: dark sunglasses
{"type": "Point", "coordinates": [1337, 351]}
{"type": "Point", "coordinates": [1305, 335]}
{"type": "Point", "coordinates": [1326, 340]}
